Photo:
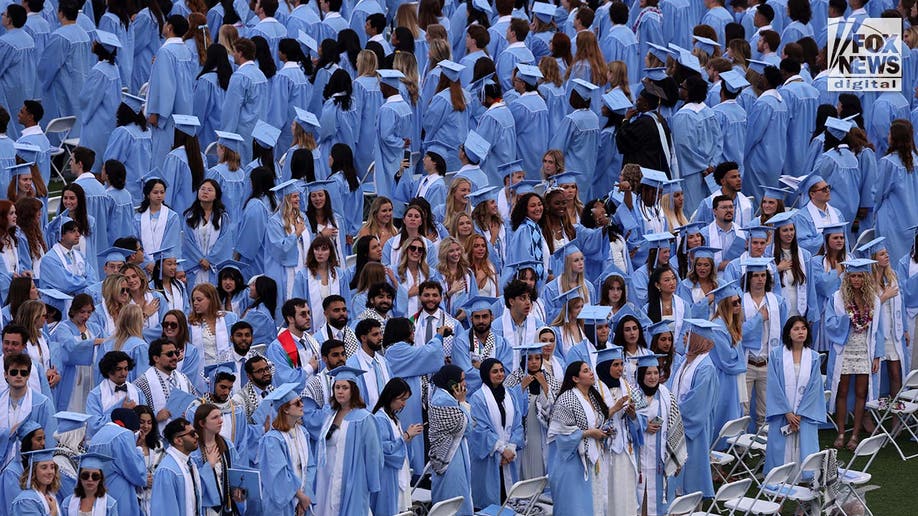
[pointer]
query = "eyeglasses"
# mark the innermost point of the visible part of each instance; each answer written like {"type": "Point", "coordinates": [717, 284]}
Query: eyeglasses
{"type": "Point", "coordinates": [170, 325]}
{"type": "Point", "coordinates": [86, 475]}
{"type": "Point", "coordinates": [169, 354]}
{"type": "Point", "coordinates": [190, 432]}
{"type": "Point", "coordinates": [297, 403]}
{"type": "Point", "coordinates": [827, 188]}
{"type": "Point", "coordinates": [415, 249]}
{"type": "Point", "coordinates": [261, 370]}
{"type": "Point", "coordinates": [18, 372]}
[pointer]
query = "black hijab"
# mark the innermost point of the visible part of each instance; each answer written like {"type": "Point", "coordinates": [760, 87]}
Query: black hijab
{"type": "Point", "coordinates": [649, 391]}
{"type": "Point", "coordinates": [602, 370]}
{"type": "Point", "coordinates": [498, 390]}
{"type": "Point", "coordinates": [447, 377]}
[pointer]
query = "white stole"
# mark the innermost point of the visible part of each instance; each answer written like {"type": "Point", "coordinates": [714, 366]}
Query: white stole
{"type": "Point", "coordinates": [221, 337]}
{"type": "Point", "coordinates": [589, 447]}
{"type": "Point", "coordinates": [18, 415]}
{"type": "Point", "coordinates": [795, 384]}
{"type": "Point", "coordinates": [503, 430]}
{"type": "Point", "coordinates": [150, 236]}
{"type": "Point", "coordinates": [298, 448]}
{"type": "Point", "coordinates": [507, 326]}
{"type": "Point", "coordinates": [819, 220]}
{"type": "Point", "coordinates": [98, 508]}
{"type": "Point", "coordinates": [109, 397]}
{"type": "Point", "coordinates": [774, 320]}
{"type": "Point", "coordinates": [78, 267]}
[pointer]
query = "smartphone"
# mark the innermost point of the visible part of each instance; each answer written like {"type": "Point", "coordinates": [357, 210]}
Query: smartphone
{"type": "Point", "coordinates": [786, 430]}
{"type": "Point", "coordinates": [406, 154]}
{"type": "Point", "coordinates": [657, 420]}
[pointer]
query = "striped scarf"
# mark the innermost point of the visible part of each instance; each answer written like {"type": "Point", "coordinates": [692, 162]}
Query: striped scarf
{"type": "Point", "coordinates": [637, 22]}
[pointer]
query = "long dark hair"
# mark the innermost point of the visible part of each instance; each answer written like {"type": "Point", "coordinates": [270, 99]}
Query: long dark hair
{"type": "Point", "coordinates": [264, 58]}
{"type": "Point", "coordinates": [572, 370]}
{"type": "Point", "coordinates": [303, 165]}
{"type": "Point", "coordinates": [126, 116]}
{"type": "Point", "coordinates": [339, 88]}
{"type": "Point", "coordinates": [654, 310]}
{"type": "Point", "coordinates": [103, 53]}
{"type": "Point", "coordinates": [147, 188]}
{"type": "Point", "coordinates": [79, 214]}
{"type": "Point", "coordinates": [823, 112]}
{"type": "Point", "coordinates": [328, 55]}
{"type": "Point", "coordinates": [262, 182]}
{"type": "Point", "coordinates": [193, 154]}
{"type": "Point", "coordinates": [394, 388]}
{"type": "Point", "coordinates": [327, 212]}
{"type": "Point", "coordinates": [217, 61]}
{"type": "Point", "coordinates": [518, 215]}
{"type": "Point", "coordinates": [231, 273]}
{"type": "Point", "coordinates": [151, 439]}
{"type": "Point", "coordinates": [195, 212]}
{"type": "Point", "coordinates": [619, 338]}
{"type": "Point", "coordinates": [361, 249]}
{"type": "Point", "coordinates": [349, 43]}
{"type": "Point", "coordinates": [264, 155]}
{"type": "Point", "coordinates": [266, 294]}
{"type": "Point", "coordinates": [343, 160]}
{"type": "Point", "coordinates": [292, 51]}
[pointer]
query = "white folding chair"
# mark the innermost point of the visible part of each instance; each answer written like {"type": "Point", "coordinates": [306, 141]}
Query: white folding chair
{"type": "Point", "coordinates": [144, 88]}
{"type": "Point", "coordinates": [54, 205]}
{"type": "Point", "coordinates": [852, 479]}
{"type": "Point", "coordinates": [210, 153]}
{"type": "Point", "coordinates": [758, 505]}
{"type": "Point", "coordinates": [60, 128]}
{"type": "Point", "coordinates": [720, 459]}
{"type": "Point", "coordinates": [350, 260]}
{"type": "Point", "coordinates": [899, 419]}
{"type": "Point", "coordinates": [526, 490]}
{"type": "Point", "coordinates": [727, 492]}
{"type": "Point", "coordinates": [806, 492]}
{"type": "Point", "coordinates": [684, 504]}
{"type": "Point", "coordinates": [368, 185]}
{"type": "Point", "coordinates": [446, 507]}
{"type": "Point", "coordinates": [420, 495]}
{"type": "Point", "coordinates": [747, 447]}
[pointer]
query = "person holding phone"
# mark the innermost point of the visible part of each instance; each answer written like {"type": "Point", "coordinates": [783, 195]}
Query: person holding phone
{"type": "Point", "coordinates": [395, 479]}
{"type": "Point", "coordinates": [450, 426]}
{"type": "Point", "coordinates": [621, 475]}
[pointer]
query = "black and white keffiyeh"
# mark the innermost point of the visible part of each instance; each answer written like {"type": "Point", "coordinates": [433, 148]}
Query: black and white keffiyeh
{"type": "Point", "coordinates": [447, 427]}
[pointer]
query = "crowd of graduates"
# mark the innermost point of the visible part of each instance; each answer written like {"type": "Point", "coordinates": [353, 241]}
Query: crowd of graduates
{"type": "Point", "coordinates": [308, 254]}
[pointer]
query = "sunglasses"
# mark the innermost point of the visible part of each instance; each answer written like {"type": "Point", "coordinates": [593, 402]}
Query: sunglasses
{"type": "Point", "coordinates": [297, 403]}
{"type": "Point", "coordinates": [170, 325]}
{"type": "Point", "coordinates": [736, 303]}
{"type": "Point", "coordinates": [169, 354]}
{"type": "Point", "coordinates": [415, 249]}
{"type": "Point", "coordinates": [125, 291]}
{"type": "Point", "coordinates": [827, 188]}
{"type": "Point", "coordinates": [18, 372]}
{"type": "Point", "coordinates": [95, 476]}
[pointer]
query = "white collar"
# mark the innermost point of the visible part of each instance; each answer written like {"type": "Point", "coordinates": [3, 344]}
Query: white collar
{"type": "Point", "coordinates": [496, 105]}
{"type": "Point", "coordinates": [764, 27]}
{"type": "Point", "coordinates": [793, 78]}
{"type": "Point", "coordinates": [332, 14]}
{"type": "Point", "coordinates": [378, 37]}
{"type": "Point", "coordinates": [517, 44]}
{"type": "Point", "coordinates": [858, 11]}
{"type": "Point", "coordinates": [395, 98]}
{"type": "Point", "coordinates": [290, 64]}
{"type": "Point", "coordinates": [28, 131]}
{"type": "Point", "coordinates": [173, 41]}
{"type": "Point", "coordinates": [772, 93]}
{"type": "Point", "coordinates": [268, 19]}
{"type": "Point", "coordinates": [86, 175]}
{"type": "Point", "coordinates": [695, 106]}
{"type": "Point", "coordinates": [180, 457]}
{"type": "Point", "coordinates": [504, 18]}
{"type": "Point", "coordinates": [247, 63]}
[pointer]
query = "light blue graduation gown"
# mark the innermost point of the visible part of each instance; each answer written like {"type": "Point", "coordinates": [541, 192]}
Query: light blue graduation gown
{"type": "Point", "coordinates": [578, 138]}
{"type": "Point", "coordinates": [697, 417]}
{"type": "Point", "coordinates": [147, 40]}
{"type": "Point", "coordinates": [566, 471]}
{"type": "Point", "coordinates": [887, 107]}
{"type": "Point", "coordinates": [111, 506]}
{"type": "Point", "coordinates": [361, 464]}
{"type": "Point", "coordinates": [245, 103]}
{"type": "Point", "coordinates": [456, 479]}
{"type": "Point", "coordinates": [338, 126]}
{"type": "Point", "coordinates": [44, 156]}
{"type": "Point", "coordinates": [278, 478]}
{"type": "Point", "coordinates": [303, 17]}
{"type": "Point", "coordinates": [462, 356]}
{"type": "Point", "coordinates": [484, 437]}
{"type": "Point", "coordinates": [812, 408]}
{"type": "Point", "coordinates": [134, 149]}
{"type": "Point", "coordinates": [40, 30]}
{"type": "Point", "coordinates": [99, 415]}
{"type": "Point", "coordinates": [801, 100]}
{"type": "Point", "coordinates": [766, 143]}
{"type": "Point", "coordinates": [171, 232]}
{"type": "Point", "coordinates": [218, 251]}
{"type": "Point", "coordinates": [208, 107]}
{"type": "Point", "coordinates": [531, 118]}
{"type": "Point", "coordinates": [395, 123]}
{"type": "Point", "coordinates": [236, 188]}
{"type": "Point", "coordinates": [273, 31]}
{"type": "Point", "coordinates": [210, 491]}
{"type": "Point", "coordinates": [99, 207]}
{"type": "Point", "coordinates": [718, 17]}
{"type": "Point", "coordinates": [25, 264]}
{"type": "Point", "coordinates": [896, 209]}
{"type": "Point", "coordinates": [177, 173]}
{"type": "Point", "coordinates": [841, 169]}
{"type": "Point", "coordinates": [289, 88]}
{"type": "Point", "coordinates": [170, 93]}
{"type": "Point", "coordinates": [394, 452]}
{"type": "Point", "coordinates": [42, 413]}
{"type": "Point", "coordinates": [19, 58]}
{"type": "Point", "coordinates": [281, 251]}
{"type": "Point", "coordinates": [513, 54]}
{"type": "Point", "coordinates": [169, 490]}
{"type": "Point", "coordinates": [698, 142]}
{"type": "Point", "coordinates": [411, 362]}
{"type": "Point", "coordinates": [72, 351]}
{"type": "Point", "coordinates": [620, 44]}
{"type": "Point", "coordinates": [650, 30]}
{"type": "Point", "coordinates": [263, 324]}
{"type": "Point", "coordinates": [729, 359]}
{"type": "Point", "coordinates": [528, 243]}
{"type": "Point", "coordinates": [318, 86]}
{"type": "Point", "coordinates": [255, 215]}
{"type": "Point", "coordinates": [55, 275]}
{"type": "Point", "coordinates": [125, 57]}
{"type": "Point", "coordinates": [128, 471]}
{"type": "Point", "coordinates": [29, 503]}
{"type": "Point", "coordinates": [444, 124]}
{"type": "Point", "coordinates": [732, 119]}
{"type": "Point", "coordinates": [498, 126]}
{"type": "Point", "coordinates": [608, 164]}
{"type": "Point", "coordinates": [63, 69]}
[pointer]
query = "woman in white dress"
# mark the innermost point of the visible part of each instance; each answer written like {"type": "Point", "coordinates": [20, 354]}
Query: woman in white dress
{"type": "Point", "coordinates": [210, 326]}
{"type": "Point", "coordinates": [158, 226]}
{"type": "Point", "coordinates": [395, 479]}
{"type": "Point", "coordinates": [486, 277]}
{"type": "Point", "coordinates": [321, 277]}
{"type": "Point", "coordinates": [152, 449]}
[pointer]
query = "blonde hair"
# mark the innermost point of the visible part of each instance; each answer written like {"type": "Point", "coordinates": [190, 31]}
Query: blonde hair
{"type": "Point", "coordinates": [439, 51]}
{"type": "Point", "coordinates": [111, 289]}
{"type": "Point", "coordinates": [210, 292]}
{"type": "Point", "coordinates": [402, 270]}
{"type": "Point", "coordinates": [571, 279]}
{"type": "Point", "coordinates": [367, 63]}
{"type": "Point", "coordinates": [563, 319]}
{"type": "Point", "coordinates": [451, 209]}
{"type": "Point", "coordinates": [551, 72]}
{"type": "Point", "coordinates": [437, 31]}
{"type": "Point", "coordinates": [129, 324]}
{"type": "Point", "coordinates": [30, 483]}
{"type": "Point", "coordinates": [144, 280]}
{"type": "Point", "coordinates": [407, 16]}
{"type": "Point", "coordinates": [303, 138]}
{"type": "Point", "coordinates": [29, 316]}
{"type": "Point", "coordinates": [228, 35]}
{"type": "Point", "coordinates": [618, 76]}
{"type": "Point", "coordinates": [864, 297]}
{"type": "Point", "coordinates": [372, 225]}
{"type": "Point", "coordinates": [675, 218]}
{"type": "Point", "coordinates": [483, 264]}
{"type": "Point", "coordinates": [724, 310]}
{"type": "Point", "coordinates": [231, 158]}
{"type": "Point", "coordinates": [559, 161]}
{"type": "Point", "coordinates": [290, 214]}
{"type": "Point", "coordinates": [408, 65]}
{"type": "Point", "coordinates": [442, 264]}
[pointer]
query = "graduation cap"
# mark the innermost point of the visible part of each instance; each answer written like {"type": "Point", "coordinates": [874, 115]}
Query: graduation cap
{"type": "Point", "coordinates": [659, 328]}
{"type": "Point", "coordinates": [610, 353]}
{"type": "Point", "coordinates": [651, 89]}
{"type": "Point", "coordinates": [506, 169]}
{"type": "Point", "coordinates": [704, 251]}
{"type": "Point", "coordinates": [178, 402]}
{"type": "Point", "coordinates": [478, 303]}
{"type": "Point", "coordinates": [21, 169]}
{"type": "Point", "coordinates": [321, 184]}
{"type": "Point", "coordinates": [166, 252]}
{"type": "Point", "coordinates": [515, 267]}
{"type": "Point", "coordinates": [565, 178]}
{"type": "Point", "coordinates": [287, 187]}
{"type": "Point", "coordinates": [346, 373]}
{"type": "Point", "coordinates": [568, 296]}
{"type": "Point", "coordinates": [650, 360]}
{"type": "Point", "coordinates": [307, 41]}
{"type": "Point", "coordinates": [451, 69]}
{"type": "Point", "coordinates": [474, 175]}
{"type": "Point", "coordinates": [488, 193]}
{"type": "Point", "coordinates": [282, 395]}
{"type": "Point", "coordinates": [660, 52]}
{"type": "Point", "coordinates": [187, 124]}
{"type": "Point", "coordinates": [69, 421]}
{"type": "Point", "coordinates": [785, 218]}
{"type": "Point", "coordinates": [727, 290]}
{"type": "Point", "coordinates": [525, 186]}
{"type": "Point", "coordinates": [706, 44]}
{"type": "Point", "coordinates": [584, 88]}
{"type": "Point", "coordinates": [595, 314]}
{"type": "Point", "coordinates": [692, 228]}
{"type": "Point", "coordinates": [701, 327]}
{"type": "Point", "coordinates": [774, 192]}
{"type": "Point", "coordinates": [734, 81]}
{"type": "Point", "coordinates": [658, 240]}
{"type": "Point", "coordinates": [306, 120]}
{"type": "Point", "coordinates": [93, 460]}
{"type": "Point", "coordinates": [672, 186]}
{"type": "Point", "coordinates": [107, 40]}
{"type": "Point", "coordinates": [213, 370]}
{"type": "Point", "coordinates": [757, 264]}
{"type": "Point", "coordinates": [756, 65]}
{"type": "Point", "coordinates": [265, 134]}
{"type": "Point", "coordinates": [55, 298]}
{"type": "Point", "coordinates": [544, 11]}
{"type": "Point", "coordinates": [529, 74]}
{"type": "Point", "coordinates": [476, 147]}
{"type": "Point", "coordinates": [655, 74]}
{"type": "Point", "coordinates": [231, 141]}
{"type": "Point", "coordinates": [153, 175]}
{"type": "Point", "coordinates": [27, 151]}
{"type": "Point", "coordinates": [439, 148]}
{"type": "Point", "coordinates": [39, 456]}
{"type": "Point", "coordinates": [654, 178]}
{"type": "Point", "coordinates": [483, 6]}
{"type": "Point", "coordinates": [24, 429]}
{"type": "Point", "coordinates": [526, 350]}
{"type": "Point", "coordinates": [838, 127]}
{"type": "Point", "coordinates": [689, 60]}
{"type": "Point", "coordinates": [616, 101]}
{"type": "Point", "coordinates": [132, 101]}
{"type": "Point", "coordinates": [858, 265]}
{"type": "Point", "coordinates": [874, 246]}
{"type": "Point", "coordinates": [625, 311]}
{"type": "Point", "coordinates": [63, 222]}
{"type": "Point", "coordinates": [838, 228]}
{"type": "Point", "coordinates": [757, 232]}
{"type": "Point", "coordinates": [391, 78]}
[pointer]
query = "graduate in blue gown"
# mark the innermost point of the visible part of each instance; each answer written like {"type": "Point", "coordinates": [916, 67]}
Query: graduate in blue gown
{"type": "Point", "coordinates": [796, 403]}
{"type": "Point", "coordinates": [147, 33]}
{"type": "Point", "coordinates": [531, 118]}
{"type": "Point", "coordinates": [766, 137]}
{"type": "Point", "coordinates": [450, 427]}
{"type": "Point", "coordinates": [208, 235]}
{"type": "Point", "coordinates": [840, 168]}
{"type": "Point", "coordinates": [37, 499]}
{"type": "Point", "coordinates": [77, 352]}
{"type": "Point", "coordinates": [131, 144]}
{"type": "Point", "coordinates": [498, 127]}
{"type": "Point", "coordinates": [258, 208]}
{"type": "Point", "coordinates": [247, 98]}
{"type": "Point", "coordinates": [183, 168]}
{"type": "Point", "coordinates": [395, 476]}
{"type": "Point", "coordinates": [888, 106]}
{"type": "Point", "coordinates": [446, 119]}
{"type": "Point", "coordinates": [128, 471]}
{"type": "Point", "coordinates": [394, 127]}
{"type": "Point", "coordinates": [19, 56]}
{"type": "Point", "coordinates": [171, 86]}
{"type": "Point", "coordinates": [897, 188]}
{"type": "Point", "coordinates": [210, 92]}
{"type": "Point", "coordinates": [156, 224]}
{"type": "Point", "coordinates": [339, 116]}
{"type": "Point", "coordinates": [697, 139]}
{"type": "Point", "coordinates": [290, 89]}
{"type": "Point", "coordinates": [578, 135]}
{"type": "Point", "coordinates": [802, 100]}
{"type": "Point", "coordinates": [619, 43]}
{"type": "Point", "coordinates": [64, 66]}
{"type": "Point", "coordinates": [526, 240]}
{"type": "Point", "coordinates": [228, 173]}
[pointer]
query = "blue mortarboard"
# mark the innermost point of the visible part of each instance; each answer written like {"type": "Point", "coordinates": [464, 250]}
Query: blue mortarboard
{"type": "Point", "coordinates": [476, 147]}
{"type": "Point", "coordinates": [439, 148]}
{"type": "Point", "coordinates": [187, 124]}
{"type": "Point", "coordinates": [265, 134]}
{"type": "Point", "coordinates": [595, 314]}
{"type": "Point", "coordinates": [287, 187]}
{"type": "Point", "coordinates": [213, 370]}
{"type": "Point", "coordinates": [565, 178]}
{"type": "Point", "coordinates": [526, 350]}
{"type": "Point", "coordinates": [658, 240]}
{"type": "Point", "coordinates": [231, 264]}
{"type": "Point", "coordinates": [60, 229]}
{"type": "Point", "coordinates": [874, 246]}
{"type": "Point", "coordinates": [838, 127]}
{"type": "Point", "coordinates": [692, 228]}
{"type": "Point", "coordinates": [672, 186]}
{"type": "Point", "coordinates": [658, 328]}
{"type": "Point", "coordinates": [107, 40]}
{"type": "Point", "coordinates": [529, 74]}
{"type": "Point", "coordinates": [55, 298]}
{"type": "Point", "coordinates": [516, 267]}
{"type": "Point", "coordinates": [625, 311]}
{"type": "Point", "coordinates": [654, 178]}
{"type": "Point", "coordinates": [584, 88]}
{"type": "Point", "coordinates": [231, 141]}
{"type": "Point", "coordinates": [544, 11]}
{"type": "Point", "coordinates": [704, 251]}
{"type": "Point", "coordinates": [525, 186]}
{"type": "Point", "coordinates": [734, 81]}
{"type": "Point", "coordinates": [650, 360]}
{"type": "Point", "coordinates": [307, 41]}
{"type": "Point", "coordinates": [166, 252]}
{"type": "Point", "coordinates": [483, 6]}
{"type": "Point", "coordinates": [26, 428]}
{"type": "Point", "coordinates": [656, 73]}
{"type": "Point", "coordinates": [322, 184]}
{"type": "Point", "coordinates": [283, 394]}
{"type": "Point", "coordinates": [94, 460]}
{"type": "Point", "coordinates": [479, 303]}
{"type": "Point", "coordinates": [609, 354]}
{"type": "Point", "coordinates": [178, 402]}
{"type": "Point", "coordinates": [451, 69]}
{"type": "Point", "coordinates": [488, 193]}
{"type": "Point", "coordinates": [756, 65]}
{"type": "Point", "coordinates": [858, 265]}
{"type": "Point", "coordinates": [782, 219]}
{"type": "Point", "coordinates": [154, 174]}
{"type": "Point", "coordinates": [706, 44]}
{"type": "Point", "coordinates": [132, 101]}
{"type": "Point", "coordinates": [36, 456]}
{"type": "Point", "coordinates": [474, 175]}
{"type": "Point", "coordinates": [701, 327]}
{"type": "Point", "coordinates": [570, 295]}
{"type": "Point", "coordinates": [391, 78]}
{"type": "Point", "coordinates": [690, 60]}
{"type": "Point", "coordinates": [660, 51]}
{"type": "Point", "coordinates": [21, 169]}
{"type": "Point", "coordinates": [346, 373]}
{"type": "Point", "coordinates": [757, 264]}
{"type": "Point", "coordinates": [774, 192]}
{"type": "Point", "coordinates": [506, 169]}
{"type": "Point", "coordinates": [68, 421]}
{"type": "Point", "coordinates": [757, 231]}
{"type": "Point", "coordinates": [835, 229]}
{"type": "Point", "coordinates": [305, 119]}
{"type": "Point", "coordinates": [27, 151]}
{"type": "Point", "coordinates": [564, 251]}
{"type": "Point", "coordinates": [616, 101]}
{"type": "Point", "coordinates": [726, 290]}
